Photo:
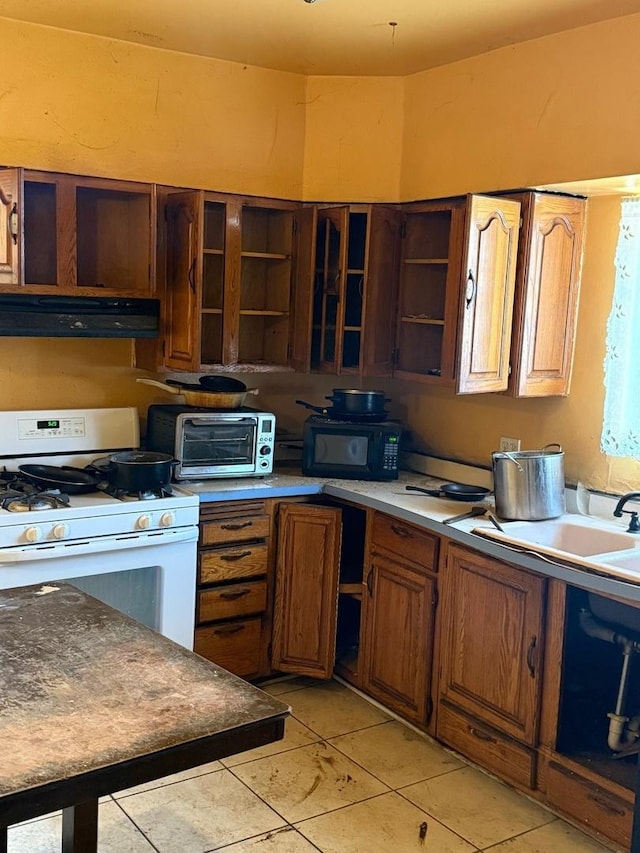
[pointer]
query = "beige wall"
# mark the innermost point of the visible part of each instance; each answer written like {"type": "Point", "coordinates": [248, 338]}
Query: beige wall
{"type": "Point", "coordinates": [353, 144]}
{"type": "Point", "coordinates": [94, 106]}
{"type": "Point", "coordinates": [559, 108]}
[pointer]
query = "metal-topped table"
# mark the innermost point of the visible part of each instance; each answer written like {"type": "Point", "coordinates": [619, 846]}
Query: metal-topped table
{"type": "Point", "coordinates": [92, 702]}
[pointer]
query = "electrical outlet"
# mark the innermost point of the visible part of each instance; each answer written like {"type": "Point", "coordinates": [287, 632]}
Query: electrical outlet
{"type": "Point", "coordinates": [509, 444]}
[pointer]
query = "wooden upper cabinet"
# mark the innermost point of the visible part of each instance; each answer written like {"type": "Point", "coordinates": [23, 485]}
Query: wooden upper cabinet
{"type": "Point", "coordinates": [547, 293]}
{"type": "Point", "coordinates": [486, 305]}
{"type": "Point", "coordinates": [347, 325]}
{"type": "Point", "coordinates": [456, 292]}
{"type": "Point", "coordinates": [184, 265]}
{"type": "Point", "coordinates": [76, 234]}
{"type": "Point", "coordinates": [229, 276]}
{"type": "Point", "coordinates": [9, 227]}
{"type": "Point", "coordinates": [306, 589]}
{"type": "Point", "coordinates": [431, 255]}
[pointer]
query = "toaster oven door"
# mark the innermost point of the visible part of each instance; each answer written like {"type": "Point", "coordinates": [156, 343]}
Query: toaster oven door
{"type": "Point", "coordinates": [214, 446]}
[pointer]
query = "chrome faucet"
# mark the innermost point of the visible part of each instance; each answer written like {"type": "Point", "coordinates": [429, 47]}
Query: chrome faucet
{"type": "Point", "coordinates": [634, 524]}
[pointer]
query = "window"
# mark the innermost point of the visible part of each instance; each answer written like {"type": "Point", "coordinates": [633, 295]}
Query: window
{"type": "Point", "coordinates": [621, 423]}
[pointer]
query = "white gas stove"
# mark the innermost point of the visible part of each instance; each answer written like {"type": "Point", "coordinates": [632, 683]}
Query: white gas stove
{"type": "Point", "coordinates": [135, 552]}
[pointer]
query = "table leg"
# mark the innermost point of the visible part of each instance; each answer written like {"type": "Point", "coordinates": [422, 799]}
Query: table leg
{"type": "Point", "coordinates": [80, 828]}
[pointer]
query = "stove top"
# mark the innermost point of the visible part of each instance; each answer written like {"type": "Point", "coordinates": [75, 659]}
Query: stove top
{"type": "Point", "coordinates": [31, 513]}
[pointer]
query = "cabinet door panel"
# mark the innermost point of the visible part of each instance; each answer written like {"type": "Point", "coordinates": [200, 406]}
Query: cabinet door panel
{"type": "Point", "coordinates": [10, 212]}
{"type": "Point", "coordinates": [306, 590]}
{"type": "Point", "coordinates": [486, 306]}
{"type": "Point", "coordinates": [184, 280]}
{"type": "Point", "coordinates": [381, 291]}
{"type": "Point", "coordinates": [305, 230]}
{"type": "Point", "coordinates": [399, 625]}
{"type": "Point", "coordinates": [328, 289]}
{"type": "Point", "coordinates": [492, 615]}
{"type": "Point", "coordinates": [547, 304]}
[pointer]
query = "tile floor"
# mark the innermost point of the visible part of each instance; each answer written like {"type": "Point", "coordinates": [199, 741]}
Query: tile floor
{"type": "Point", "coordinates": [347, 778]}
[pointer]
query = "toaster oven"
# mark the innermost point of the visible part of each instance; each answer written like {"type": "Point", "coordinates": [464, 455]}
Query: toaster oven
{"type": "Point", "coordinates": [208, 443]}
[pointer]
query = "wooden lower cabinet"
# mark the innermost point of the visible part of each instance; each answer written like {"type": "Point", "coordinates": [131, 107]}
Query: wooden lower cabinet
{"type": "Point", "coordinates": [398, 615]}
{"type": "Point", "coordinates": [306, 592]}
{"type": "Point", "coordinates": [492, 636]}
{"type": "Point", "coordinates": [235, 586]}
{"type": "Point", "coordinates": [468, 669]}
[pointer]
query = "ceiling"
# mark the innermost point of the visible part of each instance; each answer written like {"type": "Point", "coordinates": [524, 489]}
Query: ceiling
{"type": "Point", "coordinates": [325, 37]}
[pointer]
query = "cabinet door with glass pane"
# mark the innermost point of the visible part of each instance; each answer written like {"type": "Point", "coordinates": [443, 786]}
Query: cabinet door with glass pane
{"type": "Point", "coordinates": [354, 291]}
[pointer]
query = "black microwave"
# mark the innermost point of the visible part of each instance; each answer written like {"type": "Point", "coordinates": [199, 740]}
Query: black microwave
{"type": "Point", "coordinates": [349, 450]}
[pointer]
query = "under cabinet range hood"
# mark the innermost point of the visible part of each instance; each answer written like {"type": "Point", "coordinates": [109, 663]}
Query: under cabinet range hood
{"type": "Point", "coordinates": [33, 316]}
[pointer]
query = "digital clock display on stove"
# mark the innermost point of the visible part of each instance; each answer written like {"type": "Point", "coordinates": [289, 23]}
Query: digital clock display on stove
{"type": "Point", "coordinates": [52, 424]}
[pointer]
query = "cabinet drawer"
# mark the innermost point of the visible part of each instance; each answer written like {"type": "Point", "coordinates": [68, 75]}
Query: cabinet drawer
{"type": "Point", "coordinates": [234, 646]}
{"type": "Point", "coordinates": [243, 561]}
{"type": "Point", "coordinates": [405, 540]}
{"type": "Point", "coordinates": [487, 747]}
{"type": "Point", "coordinates": [239, 529]}
{"type": "Point", "coordinates": [227, 602]}
{"type": "Point", "coordinates": [591, 805]}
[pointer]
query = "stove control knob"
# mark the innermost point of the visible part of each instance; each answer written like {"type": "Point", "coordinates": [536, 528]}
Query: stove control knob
{"type": "Point", "coordinates": [167, 519]}
{"type": "Point", "coordinates": [33, 534]}
{"type": "Point", "coordinates": [60, 531]}
{"type": "Point", "coordinates": [143, 522]}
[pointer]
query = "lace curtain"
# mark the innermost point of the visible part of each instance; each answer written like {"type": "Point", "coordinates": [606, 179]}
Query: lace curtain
{"type": "Point", "coordinates": [621, 423]}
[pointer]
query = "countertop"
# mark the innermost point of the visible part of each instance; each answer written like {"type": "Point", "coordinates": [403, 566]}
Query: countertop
{"type": "Point", "coordinates": [425, 511]}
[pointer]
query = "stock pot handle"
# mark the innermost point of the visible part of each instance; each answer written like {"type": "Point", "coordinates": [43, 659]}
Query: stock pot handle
{"type": "Point", "coordinates": [553, 444]}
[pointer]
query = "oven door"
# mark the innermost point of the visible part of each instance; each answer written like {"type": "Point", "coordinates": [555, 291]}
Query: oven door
{"type": "Point", "coordinates": [148, 576]}
{"type": "Point", "coordinates": [214, 446]}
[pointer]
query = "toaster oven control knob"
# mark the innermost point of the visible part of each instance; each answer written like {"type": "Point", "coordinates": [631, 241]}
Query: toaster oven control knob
{"type": "Point", "coordinates": [167, 519]}
{"type": "Point", "coordinates": [265, 450]}
{"type": "Point", "coordinates": [143, 522]}
{"type": "Point", "coordinates": [33, 534]}
{"type": "Point", "coordinates": [60, 531]}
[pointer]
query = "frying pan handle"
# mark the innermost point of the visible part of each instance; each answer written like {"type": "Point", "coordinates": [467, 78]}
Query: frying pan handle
{"type": "Point", "coordinates": [157, 384]}
{"type": "Point", "coordinates": [318, 409]}
{"type": "Point", "coordinates": [433, 492]}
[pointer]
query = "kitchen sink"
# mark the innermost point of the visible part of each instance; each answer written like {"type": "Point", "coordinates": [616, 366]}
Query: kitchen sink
{"type": "Point", "coordinates": [580, 536]}
{"type": "Point", "coordinates": [588, 542]}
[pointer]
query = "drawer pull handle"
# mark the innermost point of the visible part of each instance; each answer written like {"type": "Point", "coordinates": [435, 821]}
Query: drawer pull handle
{"type": "Point", "coordinates": [606, 806]}
{"type": "Point", "coordinates": [233, 596]}
{"type": "Point", "coordinates": [228, 630]}
{"type": "Point", "coordinates": [231, 558]}
{"type": "Point", "coordinates": [482, 735]}
{"type": "Point", "coordinates": [237, 526]}
{"type": "Point", "coordinates": [531, 656]}
{"type": "Point", "coordinates": [401, 531]}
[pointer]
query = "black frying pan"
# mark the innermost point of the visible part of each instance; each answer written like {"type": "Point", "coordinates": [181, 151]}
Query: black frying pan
{"type": "Point", "coordinates": [455, 491]}
{"type": "Point", "coordinates": [73, 481]}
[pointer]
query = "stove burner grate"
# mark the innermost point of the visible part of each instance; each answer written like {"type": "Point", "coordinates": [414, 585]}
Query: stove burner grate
{"type": "Point", "coordinates": [16, 501]}
{"type": "Point", "coordinates": [150, 494]}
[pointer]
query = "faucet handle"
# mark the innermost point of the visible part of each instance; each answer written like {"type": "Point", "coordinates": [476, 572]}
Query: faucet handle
{"type": "Point", "coordinates": [634, 524]}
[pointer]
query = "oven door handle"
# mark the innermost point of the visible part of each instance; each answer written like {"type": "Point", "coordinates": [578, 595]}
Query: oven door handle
{"type": "Point", "coordinates": [99, 545]}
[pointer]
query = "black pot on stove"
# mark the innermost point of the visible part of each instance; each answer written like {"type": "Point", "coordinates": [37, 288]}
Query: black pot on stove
{"type": "Point", "coordinates": [137, 470]}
